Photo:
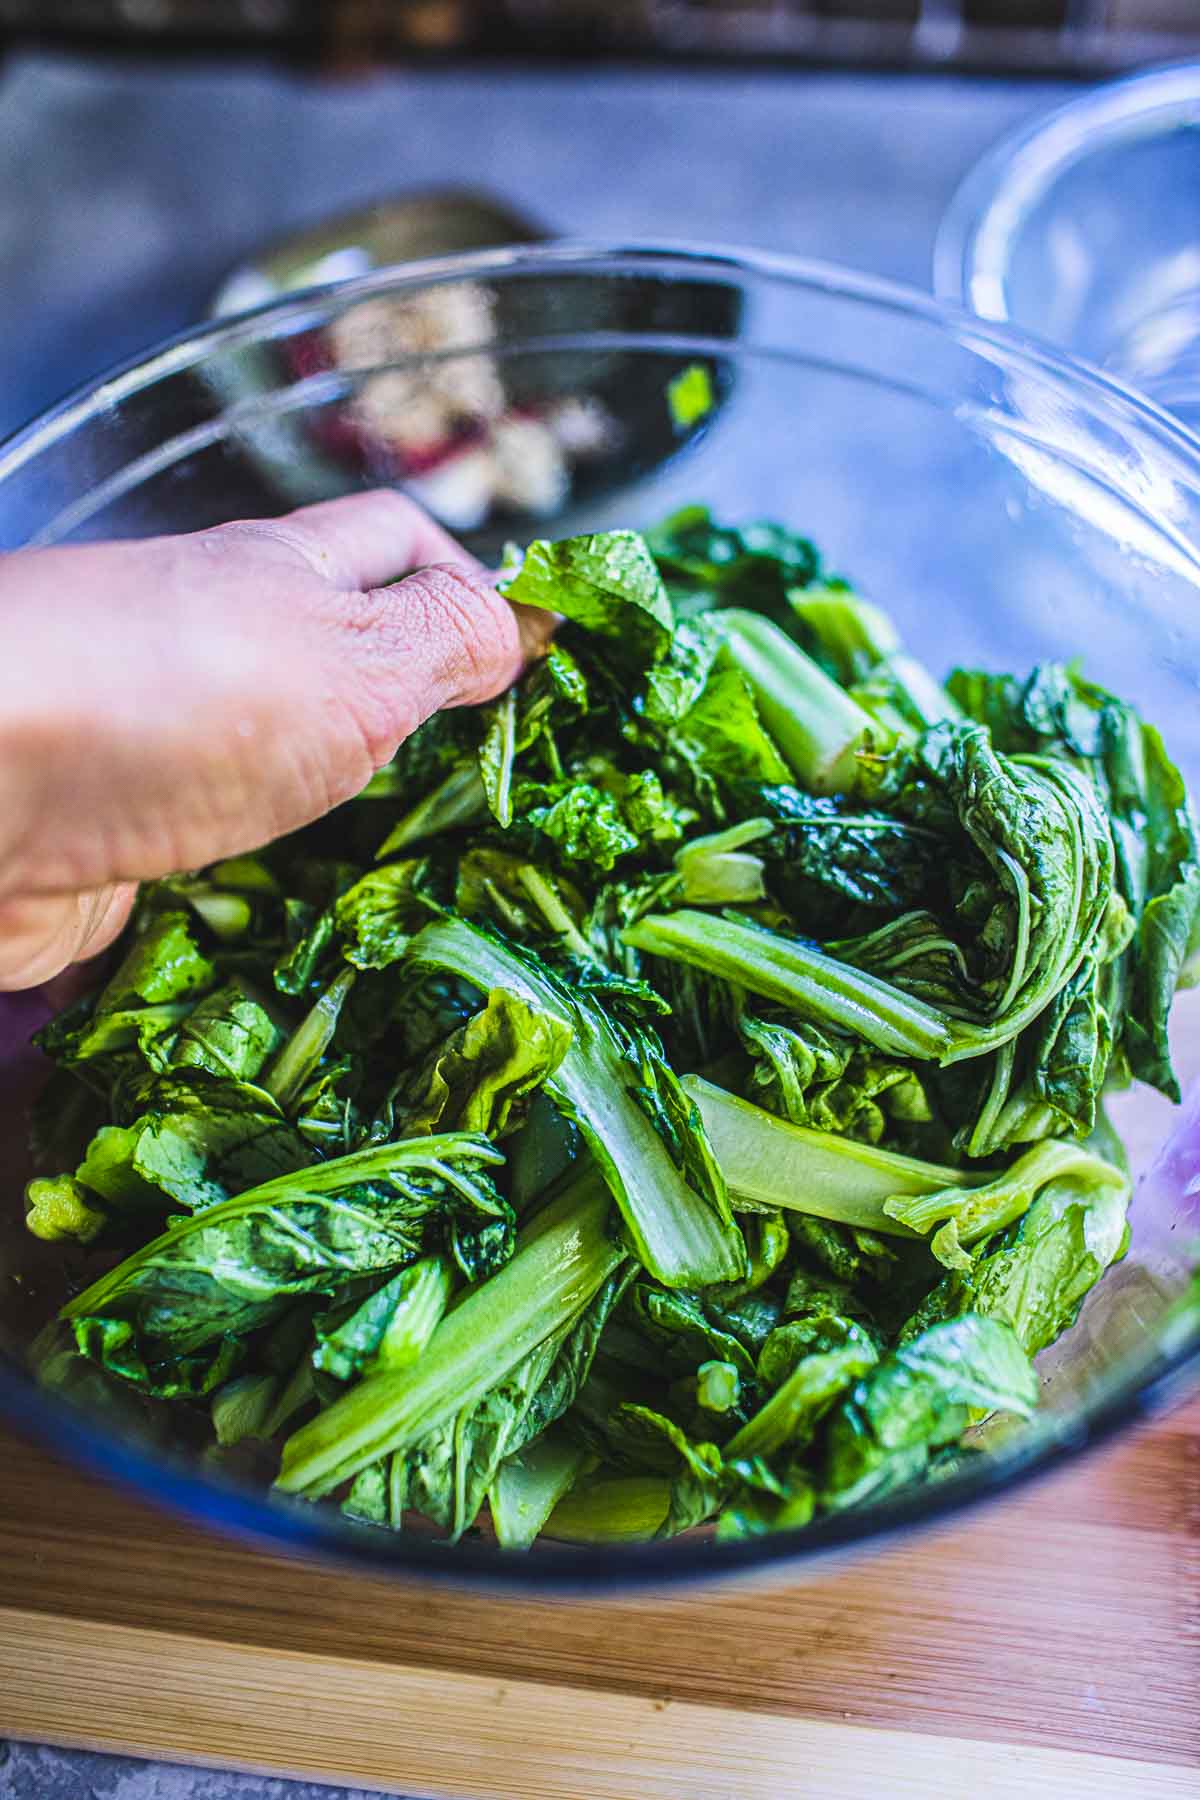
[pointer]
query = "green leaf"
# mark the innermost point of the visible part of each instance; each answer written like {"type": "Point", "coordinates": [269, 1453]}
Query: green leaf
{"type": "Point", "coordinates": [861, 649]}
{"type": "Point", "coordinates": [848, 635]}
{"type": "Point", "coordinates": [768, 1243]}
{"type": "Point", "coordinates": [82, 1035]}
{"type": "Point", "coordinates": [750, 1515]}
{"type": "Point", "coordinates": [1038, 902]}
{"type": "Point", "coordinates": [163, 964]}
{"type": "Point", "coordinates": [790, 1416]}
{"type": "Point", "coordinates": [483, 1077]}
{"type": "Point", "coordinates": [391, 1327]}
{"type": "Point", "coordinates": [773, 1163]}
{"type": "Point", "coordinates": [967, 1216]}
{"type": "Point", "coordinates": [683, 1332]}
{"type": "Point", "coordinates": [823, 734]}
{"type": "Point", "coordinates": [1035, 1275]}
{"type": "Point", "coordinates": [722, 739]}
{"type": "Point", "coordinates": [716, 870]}
{"type": "Point", "coordinates": [702, 1479]}
{"type": "Point", "coordinates": [1051, 1082]}
{"type": "Point", "coordinates": [435, 777]}
{"type": "Point", "coordinates": [298, 1058]}
{"type": "Point", "coordinates": [529, 718]}
{"type": "Point", "coordinates": [242, 1408]}
{"type": "Point", "coordinates": [142, 1006]}
{"type": "Point", "coordinates": [237, 1265]}
{"type": "Point", "coordinates": [607, 582]}
{"type": "Point", "coordinates": [378, 915]}
{"type": "Point", "coordinates": [920, 1397]}
{"type": "Point", "coordinates": [796, 974]}
{"type": "Point", "coordinates": [598, 814]}
{"type": "Point", "coordinates": [528, 1486]}
{"type": "Point", "coordinates": [458, 799]}
{"type": "Point", "coordinates": [497, 754]}
{"type": "Point", "coordinates": [1040, 827]}
{"type": "Point", "coordinates": [199, 1140]}
{"type": "Point", "coordinates": [1169, 919]}
{"type": "Point", "coordinates": [854, 1254]}
{"type": "Point", "coordinates": [865, 856]}
{"type": "Point", "coordinates": [611, 1509]}
{"type": "Point", "coordinates": [585, 823]}
{"type": "Point", "coordinates": [228, 1033]}
{"type": "Point", "coordinates": [296, 969]}
{"type": "Point", "coordinates": [1054, 711]}
{"type": "Point", "coordinates": [371, 1498]}
{"type": "Point", "coordinates": [756, 565]}
{"type": "Point", "coordinates": [450, 1472]}
{"type": "Point", "coordinates": [161, 1369]}
{"type": "Point", "coordinates": [830, 1083]}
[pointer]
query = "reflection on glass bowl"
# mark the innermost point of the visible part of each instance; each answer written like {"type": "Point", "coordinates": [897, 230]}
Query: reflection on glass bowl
{"type": "Point", "coordinates": [432, 409]}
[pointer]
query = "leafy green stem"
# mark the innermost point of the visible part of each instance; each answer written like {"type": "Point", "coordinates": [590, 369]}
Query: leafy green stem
{"type": "Point", "coordinates": [819, 728]}
{"type": "Point", "coordinates": [684, 1237]}
{"type": "Point", "coordinates": [799, 975]}
{"type": "Point", "coordinates": [558, 1265]}
{"type": "Point", "coordinates": [302, 1052]}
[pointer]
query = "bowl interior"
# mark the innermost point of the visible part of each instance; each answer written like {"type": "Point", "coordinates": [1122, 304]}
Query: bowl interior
{"type": "Point", "coordinates": [1004, 507]}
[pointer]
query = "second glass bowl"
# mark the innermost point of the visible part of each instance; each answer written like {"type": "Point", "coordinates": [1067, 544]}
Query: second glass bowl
{"type": "Point", "coordinates": [1084, 228]}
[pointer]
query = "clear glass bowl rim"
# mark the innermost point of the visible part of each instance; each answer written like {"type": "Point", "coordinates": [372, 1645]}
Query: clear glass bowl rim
{"type": "Point", "coordinates": [177, 1483]}
{"type": "Point", "coordinates": [974, 241]}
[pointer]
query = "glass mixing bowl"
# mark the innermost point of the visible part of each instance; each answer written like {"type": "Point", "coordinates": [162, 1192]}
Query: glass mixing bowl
{"type": "Point", "coordinates": [1084, 227]}
{"type": "Point", "coordinates": [1005, 504]}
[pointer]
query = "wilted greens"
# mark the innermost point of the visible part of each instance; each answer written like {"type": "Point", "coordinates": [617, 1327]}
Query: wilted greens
{"type": "Point", "coordinates": [672, 1093]}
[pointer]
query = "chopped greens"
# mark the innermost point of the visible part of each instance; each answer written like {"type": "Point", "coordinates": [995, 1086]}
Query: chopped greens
{"type": "Point", "coordinates": [672, 1093]}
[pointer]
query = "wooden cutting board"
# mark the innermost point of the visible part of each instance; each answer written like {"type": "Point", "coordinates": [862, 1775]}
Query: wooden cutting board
{"type": "Point", "coordinates": [1050, 1644]}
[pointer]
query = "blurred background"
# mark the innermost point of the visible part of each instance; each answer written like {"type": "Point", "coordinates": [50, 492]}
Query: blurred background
{"type": "Point", "coordinates": [151, 149]}
{"type": "Point", "coordinates": [1058, 35]}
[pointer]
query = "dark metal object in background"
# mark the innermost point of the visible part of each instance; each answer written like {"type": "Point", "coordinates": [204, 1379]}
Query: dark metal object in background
{"type": "Point", "coordinates": [1054, 36]}
{"type": "Point", "coordinates": [403, 228]}
{"type": "Point", "coordinates": [425, 400]}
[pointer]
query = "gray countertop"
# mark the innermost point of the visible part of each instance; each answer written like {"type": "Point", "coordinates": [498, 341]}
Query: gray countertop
{"type": "Point", "coordinates": [127, 192]}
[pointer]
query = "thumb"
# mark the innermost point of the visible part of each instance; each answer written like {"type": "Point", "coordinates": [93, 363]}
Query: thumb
{"type": "Point", "coordinates": [41, 934]}
{"type": "Point", "coordinates": [443, 636]}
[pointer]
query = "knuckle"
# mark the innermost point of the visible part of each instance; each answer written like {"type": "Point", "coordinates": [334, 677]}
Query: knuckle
{"type": "Point", "coordinates": [441, 637]}
{"type": "Point", "coordinates": [288, 539]}
{"type": "Point", "coordinates": [471, 627]}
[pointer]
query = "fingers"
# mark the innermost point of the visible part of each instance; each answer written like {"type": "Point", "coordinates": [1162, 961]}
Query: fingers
{"type": "Point", "coordinates": [366, 540]}
{"type": "Point", "coordinates": [41, 935]}
{"type": "Point", "coordinates": [441, 637]}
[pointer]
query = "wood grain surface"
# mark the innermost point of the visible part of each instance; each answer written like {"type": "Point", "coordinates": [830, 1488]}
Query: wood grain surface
{"type": "Point", "coordinates": [1052, 1639]}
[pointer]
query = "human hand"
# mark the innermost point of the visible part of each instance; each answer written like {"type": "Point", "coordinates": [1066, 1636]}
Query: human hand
{"type": "Point", "coordinates": [171, 701]}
